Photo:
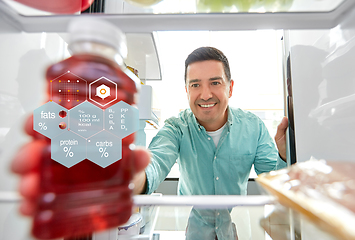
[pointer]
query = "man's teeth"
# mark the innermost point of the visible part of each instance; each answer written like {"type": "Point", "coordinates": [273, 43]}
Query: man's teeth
{"type": "Point", "coordinates": [207, 105]}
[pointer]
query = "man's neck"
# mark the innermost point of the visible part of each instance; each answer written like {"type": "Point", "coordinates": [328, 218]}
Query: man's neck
{"type": "Point", "coordinates": [214, 126]}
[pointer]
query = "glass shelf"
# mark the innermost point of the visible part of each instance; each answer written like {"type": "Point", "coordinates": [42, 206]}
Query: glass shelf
{"type": "Point", "coordinates": [188, 217]}
{"type": "Point", "coordinates": [173, 217]}
{"type": "Point", "coordinates": [201, 6]}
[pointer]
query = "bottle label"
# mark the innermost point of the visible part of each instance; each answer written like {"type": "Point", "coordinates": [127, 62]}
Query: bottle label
{"type": "Point", "coordinates": [85, 124]}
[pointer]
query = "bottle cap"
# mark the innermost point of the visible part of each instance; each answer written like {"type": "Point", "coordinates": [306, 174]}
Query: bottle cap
{"type": "Point", "coordinates": [97, 30]}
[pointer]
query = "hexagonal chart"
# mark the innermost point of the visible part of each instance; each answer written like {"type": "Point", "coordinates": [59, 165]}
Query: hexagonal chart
{"type": "Point", "coordinates": [50, 119]}
{"type": "Point", "coordinates": [68, 90]}
{"type": "Point", "coordinates": [121, 119]}
{"type": "Point", "coordinates": [68, 149]}
{"type": "Point", "coordinates": [86, 119]}
{"type": "Point", "coordinates": [104, 149]}
{"type": "Point", "coordinates": [102, 91]}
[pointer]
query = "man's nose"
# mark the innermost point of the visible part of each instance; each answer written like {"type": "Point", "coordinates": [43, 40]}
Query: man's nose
{"type": "Point", "coordinates": [206, 93]}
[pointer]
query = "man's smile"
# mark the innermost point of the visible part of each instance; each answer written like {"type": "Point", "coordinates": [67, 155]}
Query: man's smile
{"type": "Point", "coordinates": [207, 105]}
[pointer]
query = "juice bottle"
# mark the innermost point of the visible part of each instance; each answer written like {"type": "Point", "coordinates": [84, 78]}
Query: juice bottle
{"type": "Point", "coordinates": [75, 201]}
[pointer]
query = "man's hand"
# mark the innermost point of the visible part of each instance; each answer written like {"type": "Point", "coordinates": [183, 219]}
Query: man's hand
{"type": "Point", "coordinates": [27, 161]}
{"type": "Point", "coordinates": [280, 138]}
{"type": "Point", "coordinates": [26, 164]}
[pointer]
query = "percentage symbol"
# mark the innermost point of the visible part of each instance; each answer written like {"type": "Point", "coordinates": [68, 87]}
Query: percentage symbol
{"type": "Point", "coordinates": [104, 153]}
{"type": "Point", "coordinates": [68, 152]}
{"type": "Point", "coordinates": [42, 126]}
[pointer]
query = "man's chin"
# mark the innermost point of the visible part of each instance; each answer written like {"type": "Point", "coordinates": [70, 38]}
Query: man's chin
{"type": "Point", "coordinates": [204, 119]}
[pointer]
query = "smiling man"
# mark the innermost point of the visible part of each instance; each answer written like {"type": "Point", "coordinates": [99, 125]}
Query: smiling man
{"type": "Point", "coordinates": [215, 145]}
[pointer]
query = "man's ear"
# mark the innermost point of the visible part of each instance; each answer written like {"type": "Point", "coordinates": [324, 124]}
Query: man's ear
{"type": "Point", "coordinates": [231, 84]}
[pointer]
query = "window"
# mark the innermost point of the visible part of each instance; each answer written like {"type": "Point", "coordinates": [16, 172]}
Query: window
{"type": "Point", "coordinates": [255, 58]}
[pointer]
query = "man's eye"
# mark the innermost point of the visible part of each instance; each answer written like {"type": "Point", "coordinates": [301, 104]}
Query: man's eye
{"type": "Point", "coordinates": [194, 85]}
{"type": "Point", "coordinates": [215, 83]}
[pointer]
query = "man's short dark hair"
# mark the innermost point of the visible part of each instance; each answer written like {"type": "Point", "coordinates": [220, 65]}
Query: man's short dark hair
{"type": "Point", "coordinates": [208, 53]}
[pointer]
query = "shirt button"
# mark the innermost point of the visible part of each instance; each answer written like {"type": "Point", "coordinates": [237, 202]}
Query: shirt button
{"type": "Point", "coordinates": [217, 178]}
{"type": "Point", "coordinates": [215, 157]}
{"type": "Point", "coordinates": [216, 228]}
{"type": "Point", "coordinates": [218, 214]}
{"type": "Point", "coordinates": [209, 138]}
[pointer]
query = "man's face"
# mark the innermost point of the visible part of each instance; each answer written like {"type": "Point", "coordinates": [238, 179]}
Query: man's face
{"type": "Point", "coordinates": [208, 91]}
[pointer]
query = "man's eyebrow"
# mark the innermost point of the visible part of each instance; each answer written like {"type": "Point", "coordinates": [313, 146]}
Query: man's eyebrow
{"type": "Point", "coordinates": [194, 80]}
{"type": "Point", "coordinates": [215, 78]}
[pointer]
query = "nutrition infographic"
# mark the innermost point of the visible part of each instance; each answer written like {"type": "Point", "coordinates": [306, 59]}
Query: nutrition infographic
{"type": "Point", "coordinates": [85, 120]}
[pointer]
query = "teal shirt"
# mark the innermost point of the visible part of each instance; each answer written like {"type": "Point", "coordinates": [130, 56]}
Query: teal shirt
{"type": "Point", "coordinates": [204, 168]}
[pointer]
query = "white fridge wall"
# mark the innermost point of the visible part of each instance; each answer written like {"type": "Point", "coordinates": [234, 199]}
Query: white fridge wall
{"type": "Point", "coordinates": [23, 60]}
{"type": "Point", "coordinates": [323, 82]}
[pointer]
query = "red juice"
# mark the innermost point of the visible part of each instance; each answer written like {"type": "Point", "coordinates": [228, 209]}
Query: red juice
{"type": "Point", "coordinates": [86, 197]}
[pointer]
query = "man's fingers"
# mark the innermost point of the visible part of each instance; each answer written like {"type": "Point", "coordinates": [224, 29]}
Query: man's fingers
{"type": "Point", "coordinates": [281, 129]}
{"type": "Point", "coordinates": [29, 129]}
{"type": "Point", "coordinates": [27, 207]}
{"type": "Point", "coordinates": [284, 121]}
{"type": "Point", "coordinates": [27, 162]}
{"type": "Point", "coordinates": [29, 156]}
{"type": "Point", "coordinates": [29, 125]}
{"type": "Point", "coordinates": [29, 189]}
{"type": "Point", "coordinates": [30, 185]}
{"type": "Point", "coordinates": [280, 137]}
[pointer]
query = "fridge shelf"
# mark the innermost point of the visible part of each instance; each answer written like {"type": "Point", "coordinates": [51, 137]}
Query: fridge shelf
{"type": "Point", "coordinates": [12, 21]}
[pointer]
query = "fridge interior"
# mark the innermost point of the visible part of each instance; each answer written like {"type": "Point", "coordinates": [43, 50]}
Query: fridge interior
{"type": "Point", "coordinates": [316, 38]}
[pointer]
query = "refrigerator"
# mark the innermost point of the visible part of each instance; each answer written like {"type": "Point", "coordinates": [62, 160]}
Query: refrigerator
{"type": "Point", "coordinates": [318, 79]}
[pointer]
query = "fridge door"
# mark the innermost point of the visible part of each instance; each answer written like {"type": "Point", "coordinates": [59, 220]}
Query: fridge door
{"type": "Point", "coordinates": [323, 87]}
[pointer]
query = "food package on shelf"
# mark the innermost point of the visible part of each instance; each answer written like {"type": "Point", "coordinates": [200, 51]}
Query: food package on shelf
{"type": "Point", "coordinates": [323, 191]}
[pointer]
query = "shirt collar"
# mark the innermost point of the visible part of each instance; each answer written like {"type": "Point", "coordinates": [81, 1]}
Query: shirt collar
{"type": "Point", "coordinates": [195, 122]}
{"type": "Point", "coordinates": [230, 117]}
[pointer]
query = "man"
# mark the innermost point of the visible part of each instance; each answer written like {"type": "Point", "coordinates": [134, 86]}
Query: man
{"type": "Point", "coordinates": [214, 144]}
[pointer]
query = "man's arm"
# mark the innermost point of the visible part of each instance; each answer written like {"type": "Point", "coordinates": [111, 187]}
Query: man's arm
{"type": "Point", "coordinates": [164, 150]}
{"type": "Point", "coordinates": [140, 183]}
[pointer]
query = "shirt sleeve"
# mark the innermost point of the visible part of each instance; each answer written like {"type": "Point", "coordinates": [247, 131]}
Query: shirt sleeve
{"type": "Point", "coordinates": [267, 157]}
{"type": "Point", "coordinates": [164, 149]}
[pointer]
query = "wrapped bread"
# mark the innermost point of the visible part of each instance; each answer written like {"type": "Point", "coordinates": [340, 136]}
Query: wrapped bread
{"type": "Point", "coordinates": [322, 191]}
